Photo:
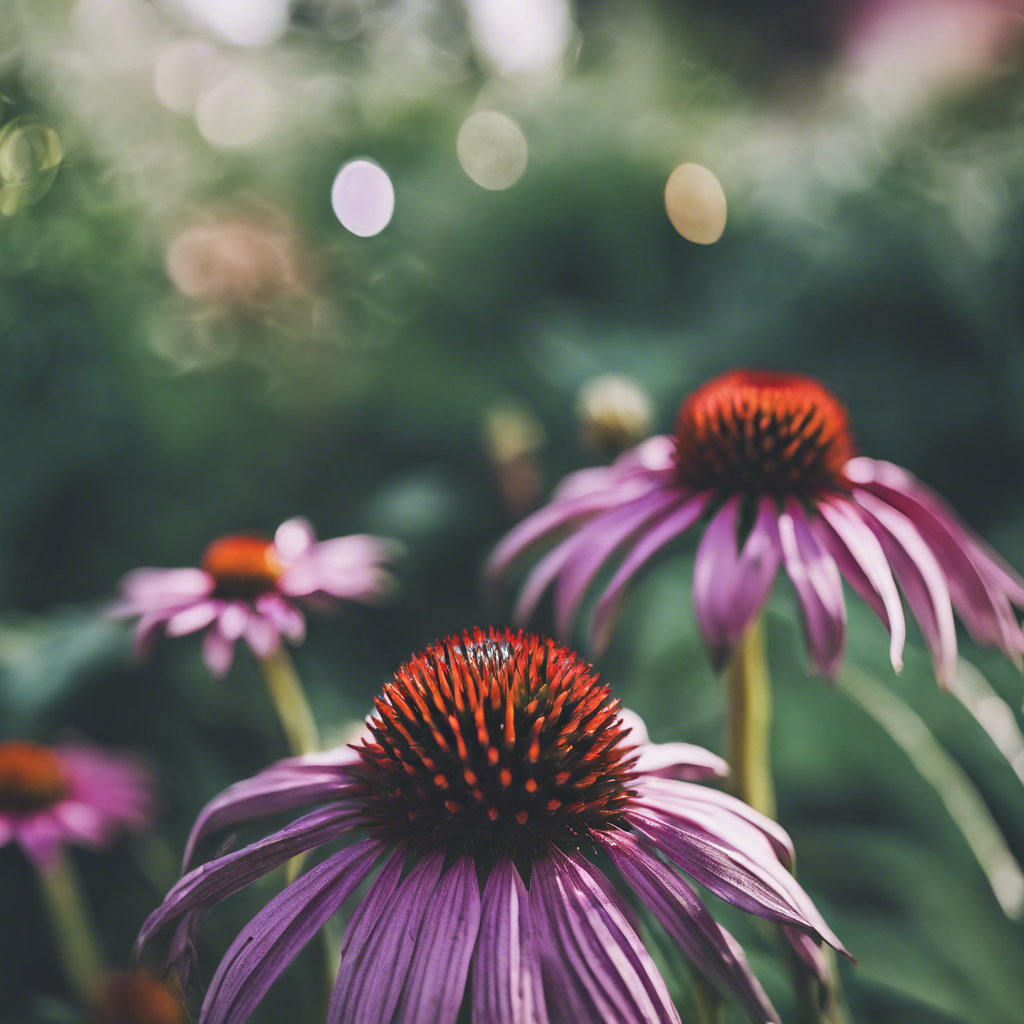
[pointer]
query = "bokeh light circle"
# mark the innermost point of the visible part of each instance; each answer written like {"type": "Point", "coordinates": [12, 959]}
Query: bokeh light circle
{"type": "Point", "coordinates": [695, 202]}
{"type": "Point", "coordinates": [492, 149]}
{"type": "Point", "coordinates": [363, 198]}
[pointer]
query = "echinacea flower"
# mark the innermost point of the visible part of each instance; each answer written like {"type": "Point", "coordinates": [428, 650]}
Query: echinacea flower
{"type": "Point", "coordinates": [249, 586]}
{"type": "Point", "coordinates": [495, 760]}
{"type": "Point", "coordinates": [769, 459]}
{"type": "Point", "coordinates": [71, 793]}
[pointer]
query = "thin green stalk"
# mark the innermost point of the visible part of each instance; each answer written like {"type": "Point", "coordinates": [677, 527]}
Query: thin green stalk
{"type": "Point", "coordinates": [290, 700]}
{"type": "Point", "coordinates": [750, 722]}
{"type": "Point", "coordinates": [73, 931]}
{"type": "Point", "coordinates": [709, 1006]}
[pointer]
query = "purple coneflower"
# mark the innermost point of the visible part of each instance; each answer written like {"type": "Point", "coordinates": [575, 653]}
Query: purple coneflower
{"type": "Point", "coordinates": [69, 794]}
{"type": "Point", "coordinates": [249, 586]}
{"type": "Point", "coordinates": [496, 761]}
{"type": "Point", "coordinates": [769, 459]}
{"type": "Point", "coordinates": [73, 794]}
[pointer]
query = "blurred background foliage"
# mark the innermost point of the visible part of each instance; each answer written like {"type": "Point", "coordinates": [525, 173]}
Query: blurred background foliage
{"type": "Point", "coordinates": [191, 343]}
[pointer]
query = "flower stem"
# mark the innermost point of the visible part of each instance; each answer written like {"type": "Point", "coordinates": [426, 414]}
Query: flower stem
{"type": "Point", "coordinates": [73, 930]}
{"type": "Point", "coordinates": [750, 721]}
{"type": "Point", "coordinates": [705, 998]}
{"type": "Point", "coordinates": [290, 700]}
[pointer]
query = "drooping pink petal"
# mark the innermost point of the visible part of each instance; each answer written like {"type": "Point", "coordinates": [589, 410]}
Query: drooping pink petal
{"type": "Point", "coordinates": [262, 636]}
{"type": "Point", "coordinates": [818, 586]}
{"type": "Point", "coordinates": [920, 576]}
{"type": "Point", "coordinates": [345, 567]}
{"type": "Point", "coordinates": [670, 760]}
{"type": "Point", "coordinates": [278, 788]}
{"type": "Point", "coordinates": [973, 579]}
{"type": "Point", "coordinates": [675, 523]}
{"type": "Point", "coordinates": [280, 931]}
{"type": "Point", "coordinates": [862, 561]}
{"type": "Point", "coordinates": [289, 621]}
{"type": "Point", "coordinates": [507, 983]}
{"type": "Point", "coordinates": [595, 966]}
{"type": "Point", "coordinates": [713, 810]}
{"type": "Point", "coordinates": [809, 950]}
{"type": "Point", "coordinates": [379, 942]}
{"type": "Point", "coordinates": [210, 883]}
{"type": "Point", "coordinates": [595, 544]}
{"type": "Point", "coordinates": [760, 887]}
{"type": "Point", "coordinates": [294, 538]}
{"type": "Point", "coordinates": [192, 619]}
{"type": "Point", "coordinates": [729, 586]}
{"type": "Point", "coordinates": [144, 590]}
{"type": "Point", "coordinates": [714, 952]}
{"type": "Point", "coordinates": [218, 651]}
{"type": "Point", "coordinates": [444, 947]}
{"type": "Point", "coordinates": [233, 620]}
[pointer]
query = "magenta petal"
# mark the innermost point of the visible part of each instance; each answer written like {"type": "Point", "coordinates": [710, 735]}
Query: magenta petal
{"type": "Point", "coordinates": [595, 966]}
{"type": "Point", "coordinates": [975, 582]}
{"type": "Point", "coordinates": [294, 538]}
{"type": "Point", "coordinates": [714, 811]}
{"type": "Point", "coordinates": [152, 589]}
{"type": "Point", "coordinates": [272, 791]}
{"type": "Point", "coordinates": [731, 587]}
{"type": "Point", "coordinates": [262, 636]}
{"type": "Point", "coordinates": [713, 951]}
{"type": "Point", "coordinates": [809, 950]}
{"type": "Point", "coordinates": [379, 942]}
{"type": "Point", "coordinates": [595, 544]}
{"type": "Point", "coordinates": [440, 963]}
{"type": "Point", "coordinates": [193, 618]}
{"type": "Point", "coordinates": [147, 630]}
{"type": "Point", "coordinates": [920, 576]}
{"type": "Point", "coordinates": [210, 883]}
{"type": "Point", "coordinates": [862, 561]}
{"type": "Point", "coordinates": [818, 586]}
{"type": "Point", "coordinates": [541, 576]}
{"type": "Point", "coordinates": [670, 760]}
{"type": "Point", "coordinates": [760, 887]}
{"type": "Point", "coordinates": [218, 651]}
{"type": "Point", "coordinates": [654, 539]}
{"type": "Point", "coordinates": [279, 932]}
{"type": "Point", "coordinates": [507, 983]}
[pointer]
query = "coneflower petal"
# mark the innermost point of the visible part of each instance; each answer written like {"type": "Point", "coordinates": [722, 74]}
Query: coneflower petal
{"type": "Point", "coordinates": [818, 586]}
{"type": "Point", "coordinates": [595, 966]}
{"type": "Point", "coordinates": [595, 544]}
{"type": "Point", "coordinates": [280, 788]}
{"type": "Point", "coordinates": [920, 576]}
{"type": "Point", "coordinates": [862, 561]}
{"type": "Point", "coordinates": [507, 982]}
{"type": "Point", "coordinates": [729, 586]}
{"type": "Point", "coordinates": [753, 886]}
{"type": "Point", "coordinates": [280, 931]}
{"type": "Point", "coordinates": [212, 882]}
{"type": "Point", "coordinates": [664, 531]}
{"type": "Point", "coordinates": [714, 952]}
{"type": "Point", "coordinates": [444, 947]}
{"type": "Point", "coordinates": [690, 802]}
{"type": "Point", "coordinates": [380, 940]}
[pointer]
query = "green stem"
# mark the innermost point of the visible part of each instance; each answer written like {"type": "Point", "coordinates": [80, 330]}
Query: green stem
{"type": "Point", "coordinates": [709, 1006]}
{"type": "Point", "coordinates": [73, 931]}
{"type": "Point", "coordinates": [750, 722]}
{"type": "Point", "coordinates": [290, 700]}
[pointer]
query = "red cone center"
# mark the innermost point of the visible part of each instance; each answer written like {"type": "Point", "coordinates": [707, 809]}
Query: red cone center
{"type": "Point", "coordinates": [763, 432]}
{"type": "Point", "coordinates": [243, 565]}
{"type": "Point", "coordinates": [31, 776]}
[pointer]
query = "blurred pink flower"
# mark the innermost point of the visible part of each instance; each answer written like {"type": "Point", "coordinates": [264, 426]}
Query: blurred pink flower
{"type": "Point", "coordinates": [768, 458]}
{"type": "Point", "coordinates": [248, 587]}
{"type": "Point", "coordinates": [69, 794]}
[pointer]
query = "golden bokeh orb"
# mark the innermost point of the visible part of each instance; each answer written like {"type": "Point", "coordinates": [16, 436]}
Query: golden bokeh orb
{"type": "Point", "coordinates": [695, 202]}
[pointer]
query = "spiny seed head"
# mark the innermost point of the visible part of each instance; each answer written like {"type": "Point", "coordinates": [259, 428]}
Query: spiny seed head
{"type": "Point", "coordinates": [243, 565]}
{"type": "Point", "coordinates": [495, 742]}
{"type": "Point", "coordinates": [763, 432]}
{"type": "Point", "coordinates": [31, 777]}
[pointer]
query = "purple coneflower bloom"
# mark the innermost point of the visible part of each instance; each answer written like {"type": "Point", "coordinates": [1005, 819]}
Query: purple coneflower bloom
{"type": "Point", "coordinates": [496, 761]}
{"type": "Point", "coordinates": [769, 459]}
{"type": "Point", "coordinates": [68, 794]}
{"type": "Point", "coordinates": [249, 587]}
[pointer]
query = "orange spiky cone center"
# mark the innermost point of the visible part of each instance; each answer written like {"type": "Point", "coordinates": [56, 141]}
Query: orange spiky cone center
{"type": "Point", "coordinates": [243, 565]}
{"type": "Point", "coordinates": [762, 432]}
{"type": "Point", "coordinates": [31, 777]}
{"type": "Point", "coordinates": [136, 998]}
{"type": "Point", "coordinates": [495, 742]}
